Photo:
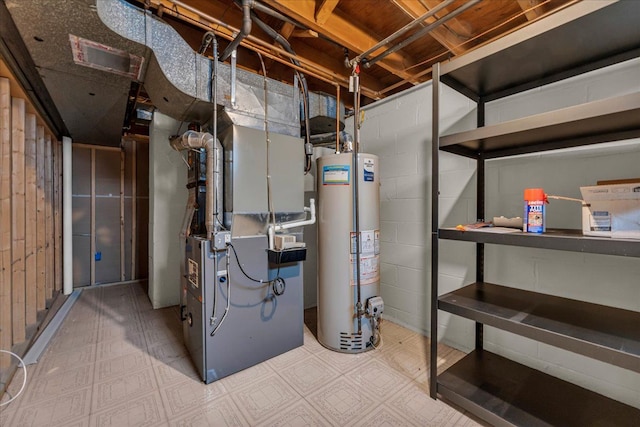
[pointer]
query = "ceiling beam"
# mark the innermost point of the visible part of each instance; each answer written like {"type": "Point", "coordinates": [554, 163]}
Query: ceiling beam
{"type": "Point", "coordinates": [287, 29]}
{"type": "Point", "coordinates": [343, 32]}
{"type": "Point", "coordinates": [325, 10]}
{"type": "Point", "coordinates": [531, 9]}
{"type": "Point", "coordinates": [301, 34]}
{"type": "Point", "coordinates": [443, 35]}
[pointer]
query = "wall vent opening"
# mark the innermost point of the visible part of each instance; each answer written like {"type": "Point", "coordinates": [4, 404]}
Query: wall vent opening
{"type": "Point", "coordinates": [102, 57]}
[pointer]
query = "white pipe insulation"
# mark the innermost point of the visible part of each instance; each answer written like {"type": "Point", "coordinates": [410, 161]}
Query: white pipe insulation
{"type": "Point", "coordinates": [213, 148]}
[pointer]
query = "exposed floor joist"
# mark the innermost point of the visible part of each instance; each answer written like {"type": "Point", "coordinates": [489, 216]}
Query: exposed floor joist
{"type": "Point", "coordinates": [343, 32]}
{"type": "Point", "coordinates": [442, 34]}
{"type": "Point", "coordinates": [531, 9]}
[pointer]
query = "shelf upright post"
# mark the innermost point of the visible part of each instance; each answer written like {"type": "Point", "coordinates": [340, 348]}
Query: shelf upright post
{"type": "Point", "coordinates": [480, 216]}
{"type": "Point", "coordinates": [435, 192]}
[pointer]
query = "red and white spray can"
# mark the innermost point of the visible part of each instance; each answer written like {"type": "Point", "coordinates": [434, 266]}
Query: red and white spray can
{"type": "Point", "coordinates": [534, 207]}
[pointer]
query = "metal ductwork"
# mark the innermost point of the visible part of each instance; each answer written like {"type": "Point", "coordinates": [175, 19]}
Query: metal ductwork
{"type": "Point", "coordinates": [196, 140]}
{"type": "Point", "coordinates": [178, 80]}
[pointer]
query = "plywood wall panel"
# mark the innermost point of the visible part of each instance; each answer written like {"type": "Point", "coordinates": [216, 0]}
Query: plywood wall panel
{"type": "Point", "coordinates": [41, 235]}
{"type": "Point", "coordinates": [18, 219]}
{"type": "Point", "coordinates": [31, 220]}
{"type": "Point", "coordinates": [48, 205]}
{"type": "Point", "coordinates": [5, 220]}
{"type": "Point", "coordinates": [57, 215]}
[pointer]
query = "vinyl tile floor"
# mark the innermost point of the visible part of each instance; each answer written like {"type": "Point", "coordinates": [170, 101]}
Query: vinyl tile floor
{"type": "Point", "coordinates": [117, 362]}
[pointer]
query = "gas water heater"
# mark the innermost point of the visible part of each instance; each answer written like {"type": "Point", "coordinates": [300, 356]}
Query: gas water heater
{"type": "Point", "coordinates": [348, 309]}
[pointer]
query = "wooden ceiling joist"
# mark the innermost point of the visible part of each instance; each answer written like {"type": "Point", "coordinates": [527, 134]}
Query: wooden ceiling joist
{"type": "Point", "coordinates": [343, 32]}
{"type": "Point", "coordinates": [325, 10]}
{"type": "Point", "coordinates": [531, 9]}
{"type": "Point", "coordinates": [442, 34]}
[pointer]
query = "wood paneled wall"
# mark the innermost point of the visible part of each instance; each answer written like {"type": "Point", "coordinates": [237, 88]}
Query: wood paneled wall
{"type": "Point", "coordinates": [30, 221]}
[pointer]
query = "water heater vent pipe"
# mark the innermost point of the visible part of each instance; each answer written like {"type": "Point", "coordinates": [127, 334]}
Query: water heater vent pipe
{"type": "Point", "coordinates": [196, 140]}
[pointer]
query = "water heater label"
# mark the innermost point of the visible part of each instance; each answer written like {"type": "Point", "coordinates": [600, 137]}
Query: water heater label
{"type": "Point", "coordinates": [192, 274]}
{"type": "Point", "coordinates": [369, 269]}
{"type": "Point", "coordinates": [368, 170]}
{"type": "Point", "coordinates": [369, 242]}
{"type": "Point", "coordinates": [335, 175]}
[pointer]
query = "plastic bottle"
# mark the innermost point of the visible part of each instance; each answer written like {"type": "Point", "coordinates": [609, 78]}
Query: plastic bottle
{"type": "Point", "coordinates": [534, 201]}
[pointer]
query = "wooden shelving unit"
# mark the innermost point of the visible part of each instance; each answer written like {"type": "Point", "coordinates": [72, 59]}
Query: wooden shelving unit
{"type": "Point", "coordinates": [499, 390]}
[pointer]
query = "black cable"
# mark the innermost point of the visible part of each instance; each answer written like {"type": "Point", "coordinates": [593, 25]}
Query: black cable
{"type": "Point", "coordinates": [249, 277]}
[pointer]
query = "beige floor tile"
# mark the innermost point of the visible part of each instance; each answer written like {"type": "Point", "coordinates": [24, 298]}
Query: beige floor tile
{"type": "Point", "coordinates": [63, 410]}
{"type": "Point", "coordinates": [13, 389]}
{"type": "Point", "coordinates": [116, 361]}
{"type": "Point", "coordinates": [71, 340]}
{"type": "Point", "coordinates": [7, 413]}
{"type": "Point", "coordinates": [311, 344]}
{"type": "Point", "coordinates": [415, 404]}
{"type": "Point", "coordinates": [221, 412]}
{"type": "Point", "coordinates": [394, 332]}
{"type": "Point", "coordinates": [167, 352]}
{"type": "Point", "coordinates": [405, 361]}
{"type": "Point", "coordinates": [52, 361]}
{"type": "Point", "coordinates": [344, 362]}
{"type": "Point", "coordinates": [383, 416]}
{"type": "Point", "coordinates": [119, 331]}
{"type": "Point", "coordinates": [289, 358]}
{"type": "Point", "coordinates": [300, 414]}
{"type": "Point", "coordinates": [157, 335]}
{"type": "Point", "coordinates": [247, 377]}
{"type": "Point", "coordinates": [264, 398]}
{"type": "Point", "coordinates": [120, 347]}
{"type": "Point", "coordinates": [120, 365]}
{"type": "Point", "coordinates": [188, 396]}
{"type": "Point", "coordinates": [115, 391]}
{"type": "Point", "coordinates": [46, 384]}
{"type": "Point", "coordinates": [307, 375]}
{"type": "Point", "coordinates": [139, 412]}
{"type": "Point", "coordinates": [177, 371]}
{"type": "Point", "coordinates": [342, 402]}
{"type": "Point", "coordinates": [377, 377]}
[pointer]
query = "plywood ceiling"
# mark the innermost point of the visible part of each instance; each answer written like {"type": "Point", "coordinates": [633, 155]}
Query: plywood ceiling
{"type": "Point", "coordinates": [323, 33]}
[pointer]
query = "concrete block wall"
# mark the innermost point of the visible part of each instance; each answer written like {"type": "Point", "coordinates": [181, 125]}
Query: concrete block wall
{"type": "Point", "coordinates": [398, 130]}
{"type": "Point", "coordinates": [601, 279]}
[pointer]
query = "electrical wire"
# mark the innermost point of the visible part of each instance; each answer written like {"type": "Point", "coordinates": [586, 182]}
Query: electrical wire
{"type": "Point", "coordinates": [24, 379]}
{"type": "Point", "coordinates": [245, 273]}
{"type": "Point", "coordinates": [272, 213]}
{"type": "Point", "coordinates": [226, 310]}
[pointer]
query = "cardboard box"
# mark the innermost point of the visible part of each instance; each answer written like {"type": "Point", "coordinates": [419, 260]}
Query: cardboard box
{"type": "Point", "coordinates": [612, 211]}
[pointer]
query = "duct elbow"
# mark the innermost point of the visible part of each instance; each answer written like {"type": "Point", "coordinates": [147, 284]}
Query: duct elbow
{"type": "Point", "coordinates": [246, 17]}
{"type": "Point", "coordinates": [192, 139]}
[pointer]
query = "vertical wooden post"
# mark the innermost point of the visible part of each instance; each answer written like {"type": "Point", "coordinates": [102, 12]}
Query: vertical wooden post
{"type": "Point", "coordinates": [93, 216]}
{"type": "Point", "coordinates": [31, 220]}
{"type": "Point", "coordinates": [18, 219]}
{"type": "Point", "coordinates": [48, 205]}
{"type": "Point", "coordinates": [41, 260]}
{"type": "Point", "coordinates": [5, 220]}
{"type": "Point", "coordinates": [122, 257]}
{"type": "Point", "coordinates": [134, 207]}
{"type": "Point", "coordinates": [57, 214]}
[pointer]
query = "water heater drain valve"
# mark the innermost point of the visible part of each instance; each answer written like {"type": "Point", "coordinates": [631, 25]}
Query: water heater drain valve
{"type": "Point", "coordinates": [375, 306]}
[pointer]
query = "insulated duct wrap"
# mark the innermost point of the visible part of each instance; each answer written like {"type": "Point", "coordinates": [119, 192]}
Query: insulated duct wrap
{"type": "Point", "coordinates": [178, 79]}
